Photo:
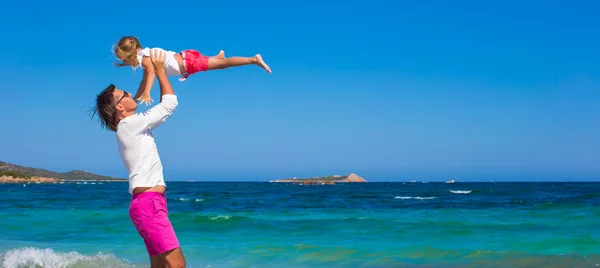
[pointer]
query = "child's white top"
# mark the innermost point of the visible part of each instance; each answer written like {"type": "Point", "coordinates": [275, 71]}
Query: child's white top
{"type": "Point", "coordinates": [171, 65]}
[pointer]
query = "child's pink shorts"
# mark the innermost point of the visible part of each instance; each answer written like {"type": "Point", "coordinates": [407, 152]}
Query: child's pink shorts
{"type": "Point", "coordinates": [194, 62]}
{"type": "Point", "coordinates": [148, 212]}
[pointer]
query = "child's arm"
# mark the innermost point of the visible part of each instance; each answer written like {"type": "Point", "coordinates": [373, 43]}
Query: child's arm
{"type": "Point", "coordinates": [145, 87]}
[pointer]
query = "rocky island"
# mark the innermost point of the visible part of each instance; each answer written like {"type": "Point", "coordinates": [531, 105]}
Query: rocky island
{"type": "Point", "coordinates": [11, 173]}
{"type": "Point", "coordinates": [323, 180]}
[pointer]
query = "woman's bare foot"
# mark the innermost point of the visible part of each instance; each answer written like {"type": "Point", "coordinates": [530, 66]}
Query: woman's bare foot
{"type": "Point", "coordinates": [257, 59]}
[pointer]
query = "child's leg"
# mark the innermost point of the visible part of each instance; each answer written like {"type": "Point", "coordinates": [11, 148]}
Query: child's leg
{"type": "Point", "coordinates": [221, 55]}
{"type": "Point", "coordinates": [218, 63]}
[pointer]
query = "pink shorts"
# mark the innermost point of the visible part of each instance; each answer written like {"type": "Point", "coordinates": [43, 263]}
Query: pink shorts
{"type": "Point", "coordinates": [149, 214]}
{"type": "Point", "coordinates": [194, 62]}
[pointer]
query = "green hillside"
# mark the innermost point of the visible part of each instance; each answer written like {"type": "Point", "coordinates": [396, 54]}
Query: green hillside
{"type": "Point", "coordinates": [8, 168]}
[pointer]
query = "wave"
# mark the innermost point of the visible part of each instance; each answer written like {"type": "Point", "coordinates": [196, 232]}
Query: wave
{"type": "Point", "coordinates": [231, 220]}
{"type": "Point", "coordinates": [415, 197]}
{"type": "Point", "coordinates": [37, 257]}
{"type": "Point", "coordinates": [316, 255]}
{"type": "Point", "coordinates": [225, 217]}
{"type": "Point", "coordinates": [187, 199]}
{"type": "Point", "coordinates": [209, 219]}
{"type": "Point", "coordinates": [461, 191]}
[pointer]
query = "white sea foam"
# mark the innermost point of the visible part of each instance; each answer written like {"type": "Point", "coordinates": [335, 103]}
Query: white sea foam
{"type": "Point", "coordinates": [219, 217]}
{"type": "Point", "coordinates": [37, 257]}
{"type": "Point", "coordinates": [187, 199]}
{"type": "Point", "coordinates": [461, 191]}
{"type": "Point", "coordinates": [415, 197]}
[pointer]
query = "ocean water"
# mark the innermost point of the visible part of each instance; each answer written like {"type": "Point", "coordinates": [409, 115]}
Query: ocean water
{"type": "Point", "coordinates": [253, 224]}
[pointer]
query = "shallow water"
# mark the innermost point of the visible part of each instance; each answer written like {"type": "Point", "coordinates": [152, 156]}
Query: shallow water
{"type": "Point", "coordinates": [252, 224]}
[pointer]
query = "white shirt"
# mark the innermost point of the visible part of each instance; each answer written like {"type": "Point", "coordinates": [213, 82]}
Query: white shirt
{"type": "Point", "coordinates": [171, 65]}
{"type": "Point", "coordinates": [136, 144]}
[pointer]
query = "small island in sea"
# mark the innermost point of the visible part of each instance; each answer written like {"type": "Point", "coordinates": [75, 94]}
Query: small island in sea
{"type": "Point", "coordinates": [11, 173]}
{"type": "Point", "coordinates": [323, 180]}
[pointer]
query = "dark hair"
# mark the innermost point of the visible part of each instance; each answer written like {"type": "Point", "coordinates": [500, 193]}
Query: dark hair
{"type": "Point", "coordinates": [105, 109]}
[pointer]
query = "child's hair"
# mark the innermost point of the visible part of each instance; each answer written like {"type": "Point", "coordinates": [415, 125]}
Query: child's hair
{"type": "Point", "coordinates": [126, 51]}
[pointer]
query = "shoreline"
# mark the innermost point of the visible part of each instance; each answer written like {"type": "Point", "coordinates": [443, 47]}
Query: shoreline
{"type": "Point", "coordinates": [34, 179]}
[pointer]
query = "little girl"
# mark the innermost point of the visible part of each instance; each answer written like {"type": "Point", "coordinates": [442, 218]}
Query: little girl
{"type": "Point", "coordinates": [188, 62]}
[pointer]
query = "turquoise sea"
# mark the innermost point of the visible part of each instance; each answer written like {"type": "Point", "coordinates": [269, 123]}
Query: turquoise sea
{"type": "Point", "coordinates": [261, 224]}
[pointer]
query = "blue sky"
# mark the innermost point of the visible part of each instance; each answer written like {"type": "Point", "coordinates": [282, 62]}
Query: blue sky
{"type": "Point", "coordinates": [425, 90]}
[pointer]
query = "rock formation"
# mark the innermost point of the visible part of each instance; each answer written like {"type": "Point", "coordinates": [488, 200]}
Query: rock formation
{"type": "Point", "coordinates": [324, 180]}
{"type": "Point", "coordinates": [352, 178]}
{"type": "Point", "coordinates": [11, 179]}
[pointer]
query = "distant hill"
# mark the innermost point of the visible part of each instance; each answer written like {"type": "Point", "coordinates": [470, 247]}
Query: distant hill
{"type": "Point", "coordinates": [38, 172]}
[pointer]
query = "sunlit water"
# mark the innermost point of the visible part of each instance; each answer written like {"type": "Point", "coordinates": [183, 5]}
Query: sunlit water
{"type": "Point", "coordinates": [284, 225]}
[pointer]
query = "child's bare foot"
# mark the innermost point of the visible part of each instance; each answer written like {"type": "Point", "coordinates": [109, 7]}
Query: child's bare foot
{"type": "Point", "coordinates": [221, 55]}
{"type": "Point", "coordinates": [257, 59]}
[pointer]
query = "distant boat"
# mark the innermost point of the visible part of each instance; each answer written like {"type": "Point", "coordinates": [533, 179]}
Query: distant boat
{"type": "Point", "coordinates": [450, 181]}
